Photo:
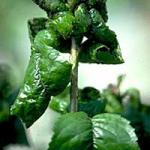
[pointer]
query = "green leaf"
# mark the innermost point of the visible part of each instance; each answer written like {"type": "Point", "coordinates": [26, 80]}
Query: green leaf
{"type": "Point", "coordinates": [35, 25]}
{"type": "Point", "coordinates": [46, 38]}
{"type": "Point", "coordinates": [114, 133]}
{"type": "Point", "coordinates": [60, 103]}
{"type": "Point", "coordinates": [82, 20]}
{"type": "Point", "coordinates": [89, 101]}
{"type": "Point", "coordinates": [50, 37]}
{"type": "Point", "coordinates": [47, 75]}
{"type": "Point", "coordinates": [105, 36]}
{"type": "Point", "coordinates": [52, 6]}
{"type": "Point", "coordinates": [100, 5]}
{"type": "Point", "coordinates": [12, 132]}
{"type": "Point", "coordinates": [73, 132]}
{"type": "Point", "coordinates": [94, 52]}
{"type": "Point", "coordinates": [63, 23]}
{"type": "Point", "coordinates": [93, 107]}
{"type": "Point", "coordinates": [96, 17]}
{"type": "Point", "coordinates": [76, 131]}
{"type": "Point", "coordinates": [102, 45]}
{"type": "Point", "coordinates": [32, 100]}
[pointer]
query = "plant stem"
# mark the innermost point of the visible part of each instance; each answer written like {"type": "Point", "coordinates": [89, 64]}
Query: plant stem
{"type": "Point", "coordinates": [74, 77]}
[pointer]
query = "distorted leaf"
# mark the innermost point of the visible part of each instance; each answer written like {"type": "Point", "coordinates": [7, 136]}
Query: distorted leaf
{"type": "Point", "coordinates": [48, 74]}
{"type": "Point", "coordinates": [63, 23]}
{"type": "Point", "coordinates": [82, 20]}
{"type": "Point", "coordinates": [52, 6]}
{"type": "Point", "coordinates": [93, 52]}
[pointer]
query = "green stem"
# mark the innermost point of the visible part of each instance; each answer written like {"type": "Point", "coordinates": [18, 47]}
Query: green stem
{"type": "Point", "coordinates": [74, 77]}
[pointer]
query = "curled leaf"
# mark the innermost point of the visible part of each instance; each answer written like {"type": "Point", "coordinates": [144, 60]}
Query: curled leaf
{"type": "Point", "coordinates": [48, 74]}
{"type": "Point", "coordinates": [93, 52]}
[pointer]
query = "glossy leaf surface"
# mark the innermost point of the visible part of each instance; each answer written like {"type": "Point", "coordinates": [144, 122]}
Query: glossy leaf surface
{"type": "Point", "coordinates": [63, 23]}
{"type": "Point", "coordinates": [48, 74]}
{"type": "Point", "coordinates": [76, 131]}
{"type": "Point", "coordinates": [82, 20]}
{"type": "Point", "coordinates": [89, 101]}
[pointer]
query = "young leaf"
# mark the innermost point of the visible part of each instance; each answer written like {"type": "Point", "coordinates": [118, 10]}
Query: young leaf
{"type": "Point", "coordinates": [63, 23]}
{"type": "Point", "coordinates": [82, 20]}
{"type": "Point", "coordinates": [100, 5]}
{"type": "Point", "coordinates": [52, 6]}
{"type": "Point", "coordinates": [76, 131]}
{"type": "Point", "coordinates": [35, 25]}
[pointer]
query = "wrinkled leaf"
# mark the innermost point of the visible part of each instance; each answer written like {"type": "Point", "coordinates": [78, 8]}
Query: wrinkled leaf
{"type": "Point", "coordinates": [32, 100]}
{"type": "Point", "coordinates": [93, 52]}
{"type": "Point", "coordinates": [52, 6]}
{"type": "Point", "coordinates": [76, 131]}
{"type": "Point", "coordinates": [46, 38]}
{"type": "Point", "coordinates": [63, 23]}
{"type": "Point", "coordinates": [100, 5]}
{"type": "Point", "coordinates": [82, 20]}
{"type": "Point", "coordinates": [47, 75]}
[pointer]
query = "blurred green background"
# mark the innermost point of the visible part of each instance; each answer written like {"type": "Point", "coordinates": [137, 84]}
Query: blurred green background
{"type": "Point", "coordinates": [130, 19]}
